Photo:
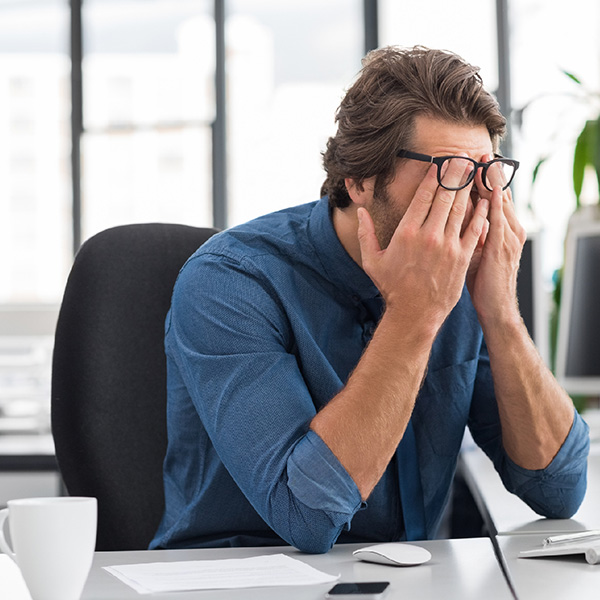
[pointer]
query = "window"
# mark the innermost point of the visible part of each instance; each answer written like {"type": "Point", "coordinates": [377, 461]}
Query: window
{"type": "Point", "coordinates": [35, 200]}
{"type": "Point", "coordinates": [554, 111]}
{"type": "Point", "coordinates": [287, 66]}
{"type": "Point", "coordinates": [34, 160]}
{"type": "Point", "coordinates": [149, 103]}
{"type": "Point", "coordinates": [148, 71]}
{"type": "Point", "coordinates": [462, 26]}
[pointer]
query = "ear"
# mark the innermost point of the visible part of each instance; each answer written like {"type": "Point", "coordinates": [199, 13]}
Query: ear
{"type": "Point", "coordinates": [356, 191]}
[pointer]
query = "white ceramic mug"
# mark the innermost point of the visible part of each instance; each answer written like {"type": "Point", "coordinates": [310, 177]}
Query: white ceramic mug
{"type": "Point", "coordinates": [53, 543]}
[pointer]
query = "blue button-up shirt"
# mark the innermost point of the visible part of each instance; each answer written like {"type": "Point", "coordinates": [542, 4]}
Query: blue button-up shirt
{"type": "Point", "coordinates": [267, 322]}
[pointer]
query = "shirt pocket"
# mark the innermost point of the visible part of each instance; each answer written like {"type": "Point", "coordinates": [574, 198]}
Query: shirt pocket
{"type": "Point", "coordinates": [442, 407]}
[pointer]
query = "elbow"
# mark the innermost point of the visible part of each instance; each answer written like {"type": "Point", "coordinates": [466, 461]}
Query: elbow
{"type": "Point", "coordinates": [317, 538]}
{"type": "Point", "coordinates": [315, 534]}
{"type": "Point", "coordinates": [566, 503]}
{"type": "Point", "coordinates": [556, 509]}
{"type": "Point", "coordinates": [313, 546]}
{"type": "Point", "coordinates": [570, 506]}
{"type": "Point", "coordinates": [564, 511]}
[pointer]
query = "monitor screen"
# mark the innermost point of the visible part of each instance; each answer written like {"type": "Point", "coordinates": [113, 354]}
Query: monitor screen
{"type": "Point", "coordinates": [578, 351]}
{"type": "Point", "coordinates": [526, 287]}
{"type": "Point", "coordinates": [533, 304]}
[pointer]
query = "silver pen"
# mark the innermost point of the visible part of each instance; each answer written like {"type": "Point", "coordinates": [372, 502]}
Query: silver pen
{"type": "Point", "coordinates": [583, 536]}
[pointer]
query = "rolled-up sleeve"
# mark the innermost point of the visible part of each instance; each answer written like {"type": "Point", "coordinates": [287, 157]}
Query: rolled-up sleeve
{"type": "Point", "coordinates": [557, 491]}
{"type": "Point", "coordinates": [317, 479]}
{"type": "Point", "coordinates": [554, 492]}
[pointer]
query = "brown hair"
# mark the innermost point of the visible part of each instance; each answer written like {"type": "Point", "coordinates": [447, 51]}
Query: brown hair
{"type": "Point", "coordinates": [376, 117]}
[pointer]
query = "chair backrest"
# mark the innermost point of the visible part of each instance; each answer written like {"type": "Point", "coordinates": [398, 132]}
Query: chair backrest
{"type": "Point", "coordinates": [109, 375]}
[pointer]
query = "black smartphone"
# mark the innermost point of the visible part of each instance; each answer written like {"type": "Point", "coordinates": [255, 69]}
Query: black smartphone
{"type": "Point", "coordinates": [364, 590]}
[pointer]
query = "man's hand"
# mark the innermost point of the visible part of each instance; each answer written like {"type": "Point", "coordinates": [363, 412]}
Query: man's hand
{"type": "Point", "coordinates": [420, 276]}
{"type": "Point", "coordinates": [492, 275]}
{"type": "Point", "coordinates": [422, 272]}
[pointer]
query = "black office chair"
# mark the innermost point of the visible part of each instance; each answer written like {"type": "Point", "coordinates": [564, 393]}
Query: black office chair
{"type": "Point", "coordinates": [109, 375]}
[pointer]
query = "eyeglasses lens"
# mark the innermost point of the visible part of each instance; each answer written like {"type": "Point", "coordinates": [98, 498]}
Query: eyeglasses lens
{"type": "Point", "coordinates": [498, 173]}
{"type": "Point", "coordinates": [456, 173]}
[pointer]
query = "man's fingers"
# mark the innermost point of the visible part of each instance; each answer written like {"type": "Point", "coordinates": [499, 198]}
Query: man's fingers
{"type": "Point", "coordinates": [497, 217]}
{"type": "Point", "coordinates": [495, 175]}
{"type": "Point", "coordinates": [449, 207]}
{"type": "Point", "coordinates": [369, 245]}
{"type": "Point", "coordinates": [478, 225]}
{"type": "Point", "coordinates": [511, 216]}
{"type": "Point", "coordinates": [418, 210]}
{"type": "Point", "coordinates": [461, 210]}
{"type": "Point", "coordinates": [483, 191]}
{"type": "Point", "coordinates": [456, 172]}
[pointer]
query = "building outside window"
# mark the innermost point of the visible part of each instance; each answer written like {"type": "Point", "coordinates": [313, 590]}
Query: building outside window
{"type": "Point", "coordinates": [149, 102]}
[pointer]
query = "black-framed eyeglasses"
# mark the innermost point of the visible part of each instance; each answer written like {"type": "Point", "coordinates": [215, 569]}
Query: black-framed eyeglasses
{"type": "Point", "coordinates": [499, 171]}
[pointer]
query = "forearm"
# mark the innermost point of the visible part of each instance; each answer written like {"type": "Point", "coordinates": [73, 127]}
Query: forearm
{"type": "Point", "coordinates": [535, 412]}
{"type": "Point", "coordinates": [420, 274]}
{"type": "Point", "coordinates": [365, 422]}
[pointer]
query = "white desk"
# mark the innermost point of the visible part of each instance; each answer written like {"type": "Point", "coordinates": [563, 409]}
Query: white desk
{"type": "Point", "coordinates": [549, 578]}
{"type": "Point", "coordinates": [459, 570]}
{"type": "Point", "coordinates": [27, 452]}
{"type": "Point", "coordinates": [504, 513]}
{"type": "Point", "coordinates": [27, 467]}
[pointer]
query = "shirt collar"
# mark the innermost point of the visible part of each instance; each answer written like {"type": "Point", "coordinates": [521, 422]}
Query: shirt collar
{"type": "Point", "coordinates": [337, 263]}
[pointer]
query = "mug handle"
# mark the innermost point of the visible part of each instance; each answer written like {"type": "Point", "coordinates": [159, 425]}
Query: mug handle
{"type": "Point", "coordinates": [3, 543]}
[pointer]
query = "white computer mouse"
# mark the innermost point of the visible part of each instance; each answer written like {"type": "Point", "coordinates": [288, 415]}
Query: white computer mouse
{"type": "Point", "coordinates": [394, 553]}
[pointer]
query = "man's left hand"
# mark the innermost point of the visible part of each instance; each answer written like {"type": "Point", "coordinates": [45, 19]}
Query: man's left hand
{"type": "Point", "coordinates": [492, 275]}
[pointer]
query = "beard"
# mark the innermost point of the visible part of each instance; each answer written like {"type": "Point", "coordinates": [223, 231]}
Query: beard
{"type": "Point", "coordinates": [386, 216]}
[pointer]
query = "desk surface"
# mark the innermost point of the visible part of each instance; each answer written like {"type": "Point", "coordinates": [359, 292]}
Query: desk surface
{"type": "Point", "coordinates": [27, 452]}
{"type": "Point", "coordinates": [504, 513]}
{"type": "Point", "coordinates": [459, 569]}
{"type": "Point", "coordinates": [548, 578]}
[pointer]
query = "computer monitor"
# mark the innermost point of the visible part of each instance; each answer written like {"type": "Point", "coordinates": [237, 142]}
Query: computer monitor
{"type": "Point", "coordinates": [578, 349]}
{"type": "Point", "coordinates": [531, 294]}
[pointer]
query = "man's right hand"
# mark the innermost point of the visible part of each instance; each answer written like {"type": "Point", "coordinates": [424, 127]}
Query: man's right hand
{"type": "Point", "coordinates": [422, 272]}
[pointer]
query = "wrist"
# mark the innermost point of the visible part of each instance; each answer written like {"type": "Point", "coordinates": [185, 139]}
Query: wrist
{"type": "Point", "coordinates": [498, 312]}
{"type": "Point", "coordinates": [504, 324]}
{"type": "Point", "coordinates": [418, 328]}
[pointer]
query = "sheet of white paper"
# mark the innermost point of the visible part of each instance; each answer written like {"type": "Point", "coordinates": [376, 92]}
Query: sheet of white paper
{"type": "Point", "coordinates": [231, 573]}
{"type": "Point", "coordinates": [11, 581]}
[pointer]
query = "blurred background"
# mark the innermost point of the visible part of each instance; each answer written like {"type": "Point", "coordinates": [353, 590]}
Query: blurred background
{"type": "Point", "coordinates": [212, 112]}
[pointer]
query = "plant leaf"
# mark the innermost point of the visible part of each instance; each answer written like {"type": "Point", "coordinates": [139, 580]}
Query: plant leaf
{"type": "Point", "coordinates": [571, 76]}
{"type": "Point", "coordinates": [537, 168]}
{"type": "Point", "coordinates": [581, 157]}
{"type": "Point", "coordinates": [595, 150]}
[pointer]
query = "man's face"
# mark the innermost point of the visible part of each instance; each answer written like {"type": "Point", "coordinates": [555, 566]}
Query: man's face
{"type": "Point", "coordinates": [433, 137]}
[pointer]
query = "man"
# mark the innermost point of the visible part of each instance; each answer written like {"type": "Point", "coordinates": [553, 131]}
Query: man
{"type": "Point", "coordinates": [324, 361]}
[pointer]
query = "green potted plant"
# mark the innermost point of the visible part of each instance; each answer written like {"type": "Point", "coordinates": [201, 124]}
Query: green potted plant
{"type": "Point", "coordinates": [586, 161]}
